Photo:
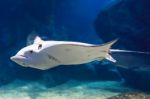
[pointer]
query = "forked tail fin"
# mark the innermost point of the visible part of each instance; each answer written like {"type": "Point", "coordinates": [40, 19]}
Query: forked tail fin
{"type": "Point", "coordinates": [106, 47]}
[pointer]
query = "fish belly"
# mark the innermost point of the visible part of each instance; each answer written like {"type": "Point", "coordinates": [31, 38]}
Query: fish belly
{"type": "Point", "coordinates": [69, 55]}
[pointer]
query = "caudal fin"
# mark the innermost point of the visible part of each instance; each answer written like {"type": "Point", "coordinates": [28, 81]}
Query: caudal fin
{"type": "Point", "coordinates": [106, 47]}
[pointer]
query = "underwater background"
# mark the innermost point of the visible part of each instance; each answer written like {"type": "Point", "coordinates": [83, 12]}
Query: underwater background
{"type": "Point", "coordinates": [90, 21]}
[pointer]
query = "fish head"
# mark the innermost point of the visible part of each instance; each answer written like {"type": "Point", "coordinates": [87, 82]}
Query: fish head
{"type": "Point", "coordinates": [30, 55]}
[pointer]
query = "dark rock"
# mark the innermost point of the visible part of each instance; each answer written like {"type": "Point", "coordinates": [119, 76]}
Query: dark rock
{"type": "Point", "coordinates": [128, 20]}
{"type": "Point", "coordinates": [131, 95]}
{"type": "Point", "coordinates": [136, 79]}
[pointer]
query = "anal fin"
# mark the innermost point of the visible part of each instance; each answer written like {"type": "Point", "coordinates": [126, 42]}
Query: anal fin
{"type": "Point", "coordinates": [110, 58]}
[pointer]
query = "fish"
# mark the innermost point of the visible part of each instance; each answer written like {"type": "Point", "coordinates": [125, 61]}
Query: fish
{"type": "Point", "coordinates": [49, 54]}
{"type": "Point", "coordinates": [44, 54]}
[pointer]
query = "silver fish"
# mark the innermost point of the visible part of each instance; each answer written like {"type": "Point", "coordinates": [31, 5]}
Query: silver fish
{"type": "Point", "coordinates": [44, 55]}
{"type": "Point", "coordinates": [48, 54]}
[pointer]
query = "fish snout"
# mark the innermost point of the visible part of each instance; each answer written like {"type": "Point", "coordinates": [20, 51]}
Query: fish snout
{"type": "Point", "coordinates": [18, 58]}
{"type": "Point", "coordinates": [13, 58]}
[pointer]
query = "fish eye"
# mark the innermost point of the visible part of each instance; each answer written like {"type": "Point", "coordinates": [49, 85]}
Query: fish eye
{"type": "Point", "coordinates": [40, 46]}
{"type": "Point", "coordinates": [31, 51]}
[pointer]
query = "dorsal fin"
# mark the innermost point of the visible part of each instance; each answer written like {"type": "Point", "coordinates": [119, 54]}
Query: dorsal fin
{"type": "Point", "coordinates": [37, 40]}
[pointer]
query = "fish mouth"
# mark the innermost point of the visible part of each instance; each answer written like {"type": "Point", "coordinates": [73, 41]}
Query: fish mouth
{"type": "Point", "coordinates": [23, 56]}
{"type": "Point", "coordinates": [18, 57]}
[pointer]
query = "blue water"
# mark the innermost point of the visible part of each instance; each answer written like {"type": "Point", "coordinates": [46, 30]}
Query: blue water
{"type": "Point", "coordinates": [90, 21]}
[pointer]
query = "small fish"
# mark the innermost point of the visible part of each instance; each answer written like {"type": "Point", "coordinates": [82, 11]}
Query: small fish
{"type": "Point", "coordinates": [44, 55]}
{"type": "Point", "coordinates": [48, 54]}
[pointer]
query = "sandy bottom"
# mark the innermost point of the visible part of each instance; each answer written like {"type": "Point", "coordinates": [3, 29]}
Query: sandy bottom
{"type": "Point", "coordinates": [69, 90]}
